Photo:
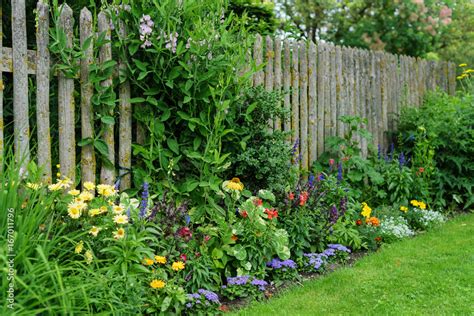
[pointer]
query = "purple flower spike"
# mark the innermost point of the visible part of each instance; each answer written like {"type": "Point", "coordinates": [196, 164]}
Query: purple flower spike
{"type": "Point", "coordinates": [144, 201]}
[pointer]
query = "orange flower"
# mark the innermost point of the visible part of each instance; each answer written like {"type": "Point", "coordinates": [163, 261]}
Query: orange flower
{"type": "Point", "coordinates": [291, 196]}
{"type": "Point", "coordinates": [358, 222]}
{"type": "Point", "coordinates": [378, 239]}
{"type": "Point", "coordinates": [234, 238]}
{"type": "Point", "coordinates": [271, 213]}
{"type": "Point", "coordinates": [374, 221]}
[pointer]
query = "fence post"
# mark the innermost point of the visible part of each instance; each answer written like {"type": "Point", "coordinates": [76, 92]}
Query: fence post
{"type": "Point", "coordinates": [88, 163]}
{"type": "Point", "coordinates": [42, 91]}
{"type": "Point", "coordinates": [322, 79]}
{"type": "Point", "coordinates": [125, 131]}
{"type": "Point", "coordinates": [20, 84]}
{"type": "Point", "coordinates": [269, 55]}
{"type": "Point", "coordinates": [107, 173]}
{"type": "Point", "coordinates": [277, 78]}
{"type": "Point", "coordinates": [287, 83]}
{"type": "Point", "coordinates": [295, 126]}
{"type": "Point", "coordinates": [258, 77]}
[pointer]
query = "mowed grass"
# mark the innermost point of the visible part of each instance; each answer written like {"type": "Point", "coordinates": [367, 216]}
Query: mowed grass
{"type": "Point", "coordinates": [431, 274]}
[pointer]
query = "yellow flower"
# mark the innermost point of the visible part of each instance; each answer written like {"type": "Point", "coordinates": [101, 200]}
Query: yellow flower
{"type": "Point", "coordinates": [79, 247]}
{"type": "Point", "coordinates": [89, 256]}
{"type": "Point", "coordinates": [94, 231]}
{"type": "Point", "coordinates": [403, 209]}
{"type": "Point", "coordinates": [121, 219]}
{"type": "Point", "coordinates": [468, 71]}
{"type": "Point", "coordinates": [103, 209]}
{"type": "Point", "coordinates": [148, 261]}
{"type": "Point", "coordinates": [118, 209]}
{"type": "Point", "coordinates": [105, 190]}
{"type": "Point", "coordinates": [160, 259]}
{"type": "Point", "coordinates": [89, 186]}
{"type": "Point", "coordinates": [94, 212]}
{"type": "Point", "coordinates": [119, 234]}
{"type": "Point", "coordinates": [74, 210]}
{"type": "Point", "coordinates": [177, 266]}
{"type": "Point", "coordinates": [422, 205]}
{"type": "Point", "coordinates": [463, 65]}
{"type": "Point", "coordinates": [55, 187]}
{"type": "Point", "coordinates": [415, 203]}
{"type": "Point", "coordinates": [58, 166]}
{"type": "Point", "coordinates": [233, 184]}
{"type": "Point", "coordinates": [33, 186]}
{"type": "Point", "coordinates": [86, 196]}
{"type": "Point", "coordinates": [74, 192]}
{"type": "Point", "coordinates": [366, 210]}
{"type": "Point", "coordinates": [157, 284]}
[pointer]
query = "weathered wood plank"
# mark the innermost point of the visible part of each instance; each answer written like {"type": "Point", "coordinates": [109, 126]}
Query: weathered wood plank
{"type": "Point", "coordinates": [269, 55]}
{"type": "Point", "coordinates": [66, 106]}
{"type": "Point", "coordinates": [125, 131]}
{"type": "Point", "coordinates": [378, 100]}
{"type": "Point", "coordinates": [42, 92]}
{"type": "Point", "coordinates": [88, 162]}
{"type": "Point", "coordinates": [287, 82]}
{"type": "Point", "coordinates": [363, 99]}
{"type": "Point", "coordinates": [320, 120]}
{"type": "Point", "coordinates": [20, 85]}
{"type": "Point", "coordinates": [357, 88]}
{"type": "Point", "coordinates": [332, 91]}
{"type": "Point", "coordinates": [6, 61]}
{"type": "Point", "coordinates": [304, 105]}
{"type": "Point", "coordinates": [373, 128]}
{"type": "Point", "coordinates": [258, 77]}
{"type": "Point", "coordinates": [107, 173]}
{"type": "Point", "coordinates": [451, 78]}
{"type": "Point", "coordinates": [295, 79]}
{"type": "Point", "coordinates": [312, 102]}
{"type": "Point", "coordinates": [339, 92]}
{"type": "Point", "coordinates": [277, 77]}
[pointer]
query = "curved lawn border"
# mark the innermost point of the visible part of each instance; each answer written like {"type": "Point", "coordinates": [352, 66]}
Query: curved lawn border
{"type": "Point", "coordinates": [429, 274]}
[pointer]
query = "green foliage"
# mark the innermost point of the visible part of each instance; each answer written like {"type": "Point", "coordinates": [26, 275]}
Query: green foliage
{"type": "Point", "coordinates": [444, 124]}
{"type": "Point", "coordinates": [258, 17]}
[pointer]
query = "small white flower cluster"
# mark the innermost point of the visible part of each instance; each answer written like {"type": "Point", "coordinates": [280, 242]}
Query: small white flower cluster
{"type": "Point", "coordinates": [429, 218]}
{"type": "Point", "coordinates": [396, 227]}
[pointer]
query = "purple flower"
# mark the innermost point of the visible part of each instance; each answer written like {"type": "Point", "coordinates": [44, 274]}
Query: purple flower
{"type": "Point", "coordinates": [333, 215]}
{"type": "Point", "coordinates": [315, 260]}
{"type": "Point", "coordinates": [329, 252]}
{"type": "Point", "coordinates": [144, 201]}
{"type": "Point", "coordinates": [339, 247]}
{"type": "Point", "coordinates": [321, 177]}
{"type": "Point", "coordinates": [401, 159]}
{"type": "Point", "coordinates": [279, 264]}
{"type": "Point", "coordinates": [189, 305]}
{"type": "Point", "coordinates": [339, 172]}
{"type": "Point", "coordinates": [261, 284]}
{"type": "Point", "coordinates": [311, 180]}
{"type": "Point", "coordinates": [343, 206]}
{"type": "Point", "coordinates": [379, 153]}
{"type": "Point", "coordinates": [295, 147]}
{"type": "Point", "coordinates": [238, 280]}
{"type": "Point", "coordinates": [209, 295]}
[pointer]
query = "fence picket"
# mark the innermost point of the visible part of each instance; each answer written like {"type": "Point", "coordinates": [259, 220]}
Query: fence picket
{"type": "Point", "coordinates": [125, 124]}
{"type": "Point", "coordinates": [277, 77]}
{"type": "Point", "coordinates": [258, 77]}
{"type": "Point", "coordinates": [42, 92]}
{"type": "Point", "coordinates": [107, 173]}
{"type": "Point", "coordinates": [303, 119]}
{"type": "Point", "coordinates": [332, 110]}
{"type": "Point", "coordinates": [339, 91]}
{"type": "Point", "coordinates": [295, 127]}
{"type": "Point", "coordinates": [88, 163]}
{"type": "Point", "coordinates": [20, 84]}
{"type": "Point", "coordinates": [66, 106]}
{"type": "Point", "coordinates": [312, 102]}
{"type": "Point", "coordinates": [287, 82]}
{"type": "Point", "coordinates": [269, 55]}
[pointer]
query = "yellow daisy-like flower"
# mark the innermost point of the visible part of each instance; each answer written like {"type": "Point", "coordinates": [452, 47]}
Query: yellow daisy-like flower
{"type": "Point", "coordinates": [160, 259]}
{"type": "Point", "coordinates": [74, 192]}
{"type": "Point", "coordinates": [94, 212]}
{"type": "Point", "coordinates": [157, 284]}
{"type": "Point", "coordinates": [118, 209]}
{"type": "Point", "coordinates": [121, 219]}
{"type": "Point", "coordinates": [94, 231]}
{"type": "Point", "coordinates": [79, 247]}
{"type": "Point", "coordinates": [366, 210]}
{"type": "Point", "coordinates": [148, 261]}
{"type": "Point", "coordinates": [105, 190]}
{"type": "Point", "coordinates": [89, 256]}
{"type": "Point", "coordinates": [103, 209]}
{"type": "Point", "coordinates": [468, 71]}
{"type": "Point", "coordinates": [33, 186]}
{"type": "Point", "coordinates": [74, 211]}
{"type": "Point", "coordinates": [415, 203]}
{"type": "Point", "coordinates": [119, 234]}
{"type": "Point", "coordinates": [422, 205]}
{"type": "Point", "coordinates": [403, 209]}
{"type": "Point", "coordinates": [234, 184]}
{"type": "Point", "coordinates": [463, 65]}
{"type": "Point", "coordinates": [178, 265]}
{"type": "Point", "coordinates": [86, 196]}
{"type": "Point", "coordinates": [89, 186]}
{"type": "Point", "coordinates": [55, 187]}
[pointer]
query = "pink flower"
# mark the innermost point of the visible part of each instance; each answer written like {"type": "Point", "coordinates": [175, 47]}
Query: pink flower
{"type": "Point", "coordinates": [445, 12]}
{"type": "Point", "coordinates": [331, 162]}
{"type": "Point", "coordinates": [183, 257]}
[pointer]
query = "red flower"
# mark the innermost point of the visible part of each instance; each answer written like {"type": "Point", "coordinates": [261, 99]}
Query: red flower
{"type": "Point", "coordinates": [207, 238]}
{"type": "Point", "coordinates": [244, 214]}
{"type": "Point", "coordinates": [358, 222]}
{"type": "Point", "coordinates": [331, 162]}
{"type": "Point", "coordinates": [291, 196]}
{"type": "Point", "coordinates": [185, 232]}
{"type": "Point", "coordinates": [303, 198]}
{"type": "Point", "coordinates": [378, 239]}
{"type": "Point", "coordinates": [258, 202]}
{"type": "Point", "coordinates": [421, 170]}
{"type": "Point", "coordinates": [197, 254]}
{"type": "Point", "coordinates": [183, 257]}
{"type": "Point", "coordinates": [271, 213]}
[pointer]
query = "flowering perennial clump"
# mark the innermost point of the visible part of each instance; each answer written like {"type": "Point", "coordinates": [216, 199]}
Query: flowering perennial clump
{"type": "Point", "coordinates": [395, 228]}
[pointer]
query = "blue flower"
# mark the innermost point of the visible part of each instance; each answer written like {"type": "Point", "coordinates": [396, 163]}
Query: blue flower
{"type": "Point", "coordinates": [144, 201]}
{"type": "Point", "coordinates": [401, 159]}
{"type": "Point", "coordinates": [339, 172]}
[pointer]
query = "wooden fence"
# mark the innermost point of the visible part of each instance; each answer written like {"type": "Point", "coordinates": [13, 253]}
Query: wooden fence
{"type": "Point", "coordinates": [324, 82]}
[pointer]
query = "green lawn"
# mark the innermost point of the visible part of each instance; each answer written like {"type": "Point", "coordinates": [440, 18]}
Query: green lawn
{"type": "Point", "coordinates": [432, 274]}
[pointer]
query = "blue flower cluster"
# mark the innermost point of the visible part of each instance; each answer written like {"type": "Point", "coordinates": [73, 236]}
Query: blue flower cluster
{"type": "Point", "coordinates": [316, 260]}
{"type": "Point", "coordinates": [282, 264]}
{"type": "Point", "coordinates": [202, 296]}
{"type": "Point", "coordinates": [244, 280]}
